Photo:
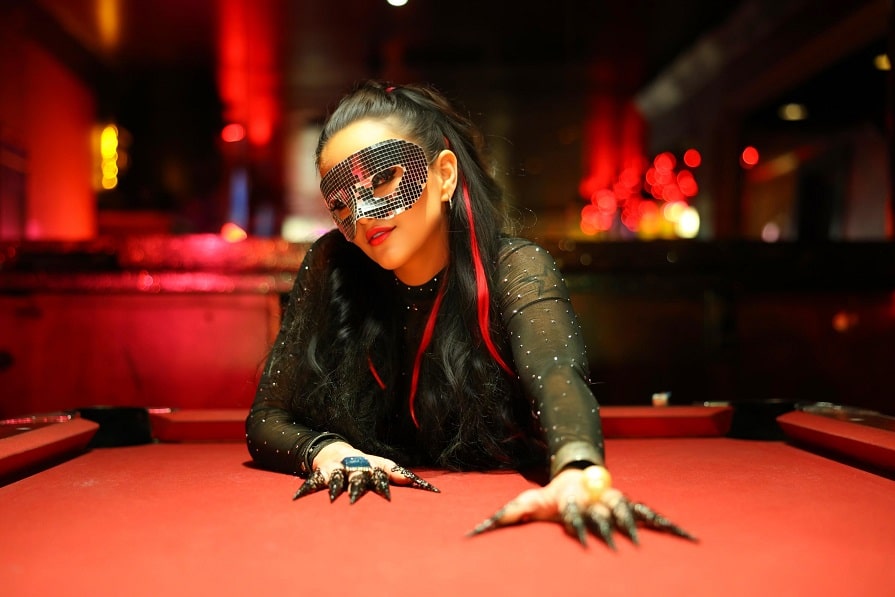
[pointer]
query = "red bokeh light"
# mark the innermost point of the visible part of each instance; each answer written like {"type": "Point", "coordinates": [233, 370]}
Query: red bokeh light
{"type": "Point", "coordinates": [687, 183]}
{"type": "Point", "coordinates": [233, 132]}
{"type": "Point", "coordinates": [665, 162]}
{"type": "Point", "coordinates": [640, 188]}
{"type": "Point", "coordinates": [749, 157]}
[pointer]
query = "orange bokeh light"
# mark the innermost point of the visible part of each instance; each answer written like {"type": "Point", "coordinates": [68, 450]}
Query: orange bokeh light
{"type": "Point", "coordinates": [232, 233]}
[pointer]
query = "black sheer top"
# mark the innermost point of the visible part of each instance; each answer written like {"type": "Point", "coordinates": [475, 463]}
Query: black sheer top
{"type": "Point", "coordinates": [548, 355]}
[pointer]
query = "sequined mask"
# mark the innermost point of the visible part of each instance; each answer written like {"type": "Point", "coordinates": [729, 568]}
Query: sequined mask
{"type": "Point", "coordinates": [379, 181]}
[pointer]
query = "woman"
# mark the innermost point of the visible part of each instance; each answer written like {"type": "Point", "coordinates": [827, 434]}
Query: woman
{"type": "Point", "coordinates": [417, 334]}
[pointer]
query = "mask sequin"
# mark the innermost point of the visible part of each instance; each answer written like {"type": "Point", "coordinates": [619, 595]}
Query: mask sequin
{"type": "Point", "coordinates": [379, 181]}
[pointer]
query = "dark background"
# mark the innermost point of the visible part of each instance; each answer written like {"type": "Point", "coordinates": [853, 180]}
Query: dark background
{"type": "Point", "coordinates": [128, 317]}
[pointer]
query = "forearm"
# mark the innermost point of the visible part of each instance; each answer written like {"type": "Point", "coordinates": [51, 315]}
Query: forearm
{"type": "Point", "coordinates": [550, 356]}
{"type": "Point", "coordinates": [569, 417]}
{"type": "Point", "coordinates": [277, 442]}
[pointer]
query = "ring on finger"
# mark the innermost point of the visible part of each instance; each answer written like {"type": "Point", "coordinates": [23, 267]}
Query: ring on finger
{"type": "Point", "coordinates": [356, 464]}
{"type": "Point", "coordinates": [596, 480]}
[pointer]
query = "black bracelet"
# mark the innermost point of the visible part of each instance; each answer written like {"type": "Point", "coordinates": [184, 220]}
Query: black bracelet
{"type": "Point", "coordinates": [319, 442]}
{"type": "Point", "coordinates": [580, 465]}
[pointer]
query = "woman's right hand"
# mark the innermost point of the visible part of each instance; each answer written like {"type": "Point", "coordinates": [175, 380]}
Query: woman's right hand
{"type": "Point", "coordinates": [340, 466]}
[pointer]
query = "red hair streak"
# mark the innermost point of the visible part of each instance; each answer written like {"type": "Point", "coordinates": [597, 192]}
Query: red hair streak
{"type": "Point", "coordinates": [424, 343]}
{"type": "Point", "coordinates": [483, 301]}
{"type": "Point", "coordinates": [375, 374]}
{"type": "Point", "coordinates": [481, 283]}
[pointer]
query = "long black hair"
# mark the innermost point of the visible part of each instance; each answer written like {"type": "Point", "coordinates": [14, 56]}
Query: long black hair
{"type": "Point", "coordinates": [465, 407]}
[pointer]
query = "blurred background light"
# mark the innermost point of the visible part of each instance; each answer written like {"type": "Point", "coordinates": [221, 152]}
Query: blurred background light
{"type": "Point", "coordinates": [749, 157]}
{"type": "Point", "coordinates": [793, 112]}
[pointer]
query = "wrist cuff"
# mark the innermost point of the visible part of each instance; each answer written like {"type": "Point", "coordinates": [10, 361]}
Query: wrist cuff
{"type": "Point", "coordinates": [319, 442]}
{"type": "Point", "coordinates": [574, 452]}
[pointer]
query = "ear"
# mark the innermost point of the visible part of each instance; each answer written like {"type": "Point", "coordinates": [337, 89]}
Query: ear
{"type": "Point", "coordinates": [447, 172]}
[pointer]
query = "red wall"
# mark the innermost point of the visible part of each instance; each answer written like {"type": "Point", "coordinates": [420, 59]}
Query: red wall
{"type": "Point", "coordinates": [59, 119]}
{"type": "Point", "coordinates": [184, 350]}
{"type": "Point", "coordinates": [47, 115]}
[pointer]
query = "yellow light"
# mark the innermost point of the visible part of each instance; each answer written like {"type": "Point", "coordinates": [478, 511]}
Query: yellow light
{"type": "Point", "coordinates": [792, 112]}
{"type": "Point", "coordinates": [110, 169]}
{"type": "Point", "coordinates": [882, 62]}
{"type": "Point", "coordinates": [108, 141]}
{"type": "Point", "coordinates": [233, 233]}
{"type": "Point", "coordinates": [674, 210]}
{"type": "Point", "coordinates": [650, 226]}
{"type": "Point", "coordinates": [687, 226]}
{"type": "Point", "coordinates": [109, 157]}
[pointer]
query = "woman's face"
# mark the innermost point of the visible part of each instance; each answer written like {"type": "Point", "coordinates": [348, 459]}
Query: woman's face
{"type": "Point", "coordinates": [414, 242]}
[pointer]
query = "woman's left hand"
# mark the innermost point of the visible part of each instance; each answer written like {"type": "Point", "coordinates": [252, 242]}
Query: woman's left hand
{"type": "Point", "coordinates": [583, 500]}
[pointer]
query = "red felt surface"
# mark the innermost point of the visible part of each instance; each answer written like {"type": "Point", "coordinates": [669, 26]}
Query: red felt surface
{"type": "Point", "coordinates": [30, 449]}
{"type": "Point", "coordinates": [666, 421]}
{"type": "Point", "coordinates": [865, 444]}
{"type": "Point", "coordinates": [618, 421]}
{"type": "Point", "coordinates": [196, 519]}
{"type": "Point", "coordinates": [199, 425]}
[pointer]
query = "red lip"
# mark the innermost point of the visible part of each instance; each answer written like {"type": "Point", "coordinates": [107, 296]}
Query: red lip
{"type": "Point", "coordinates": [376, 236]}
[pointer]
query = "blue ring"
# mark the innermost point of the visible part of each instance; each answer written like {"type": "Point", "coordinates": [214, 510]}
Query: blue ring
{"type": "Point", "coordinates": [356, 463]}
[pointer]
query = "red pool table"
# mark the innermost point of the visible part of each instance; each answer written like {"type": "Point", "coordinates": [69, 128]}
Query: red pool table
{"type": "Point", "coordinates": [189, 515]}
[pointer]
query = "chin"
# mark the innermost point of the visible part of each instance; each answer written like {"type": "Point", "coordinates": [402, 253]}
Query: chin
{"type": "Point", "coordinates": [384, 261]}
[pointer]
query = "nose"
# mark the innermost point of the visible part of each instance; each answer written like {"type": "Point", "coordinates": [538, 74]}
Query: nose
{"type": "Point", "coordinates": [362, 221]}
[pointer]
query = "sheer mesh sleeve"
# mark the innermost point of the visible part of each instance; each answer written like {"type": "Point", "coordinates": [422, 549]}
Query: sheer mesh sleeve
{"type": "Point", "coordinates": [549, 353]}
{"type": "Point", "coordinates": [274, 438]}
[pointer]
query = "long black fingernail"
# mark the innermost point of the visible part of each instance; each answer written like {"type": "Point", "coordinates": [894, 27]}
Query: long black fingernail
{"type": "Point", "coordinates": [418, 481]}
{"type": "Point", "coordinates": [336, 484]}
{"type": "Point", "coordinates": [571, 516]}
{"type": "Point", "coordinates": [380, 484]}
{"type": "Point", "coordinates": [600, 525]}
{"type": "Point", "coordinates": [487, 524]}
